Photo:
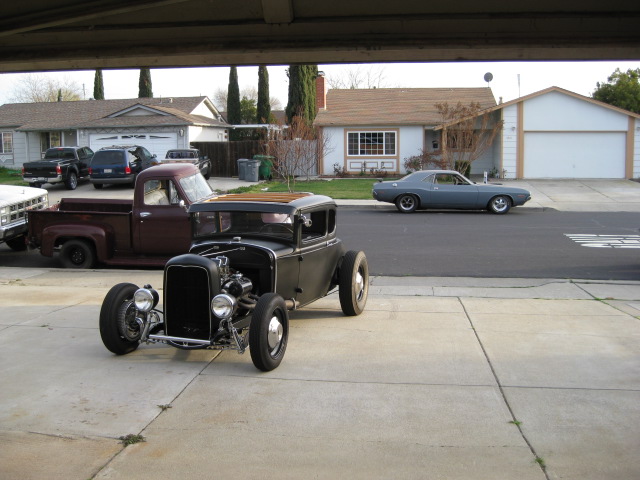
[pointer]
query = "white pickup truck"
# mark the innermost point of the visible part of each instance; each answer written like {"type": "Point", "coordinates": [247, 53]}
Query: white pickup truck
{"type": "Point", "coordinates": [190, 155]}
{"type": "Point", "coordinates": [15, 202]}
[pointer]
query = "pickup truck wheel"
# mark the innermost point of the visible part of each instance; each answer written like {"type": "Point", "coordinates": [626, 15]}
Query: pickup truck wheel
{"type": "Point", "coordinates": [118, 327]}
{"type": "Point", "coordinates": [354, 283]}
{"type": "Point", "coordinates": [268, 332]}
{"type": "Point", "coordinates": [207, 175]}
{"type": "Point", "coordinates": [17, 244]}
{"type": "Point", "coordinates": [72, 181]}
{"type": "Point", "coordinates": [77, 254]}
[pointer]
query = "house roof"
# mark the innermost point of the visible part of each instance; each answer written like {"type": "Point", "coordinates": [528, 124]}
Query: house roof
{"type": "Point", "coordinates": [544, 92]}
{"type": "Point", "coordinates": [104, 113]}
{"type": "Point", "coordinates": [571, 94]}
{"type": "Point", "coordinates": [395, 106]}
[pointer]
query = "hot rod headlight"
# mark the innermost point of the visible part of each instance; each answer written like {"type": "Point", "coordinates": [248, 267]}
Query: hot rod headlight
{"type": "Point", "coordinates": [145, 299]}
{"type": "Point", "coordinates": [223, 306]}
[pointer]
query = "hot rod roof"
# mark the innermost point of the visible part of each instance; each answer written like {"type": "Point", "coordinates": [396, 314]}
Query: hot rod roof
{"type": "Point", "coordinates": [266, 202]}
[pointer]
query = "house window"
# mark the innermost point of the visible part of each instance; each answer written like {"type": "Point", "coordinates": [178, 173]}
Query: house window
{"type": "Point", "coordinates": [371, 143]}
{"type": "Point", "coordinates": [7, 142]}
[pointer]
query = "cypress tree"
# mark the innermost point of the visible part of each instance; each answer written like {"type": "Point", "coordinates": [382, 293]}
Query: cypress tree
{"type": "Point", "coordinates": [302, 92]}
{"type": "Point", "coordinates": [263, 113]}
{"type": "Point", "coordinates": [234, 112]}
{"type": "Point", "coordinates": [98, 85]}
{"type": "Point", "coordinates": [144, 85]}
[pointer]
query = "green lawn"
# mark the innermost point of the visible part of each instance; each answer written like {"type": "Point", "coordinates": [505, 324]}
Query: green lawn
{"type": "Point", "coordinates": [11, 177]}
{"type": "Point", "coordinates": [342, 188]}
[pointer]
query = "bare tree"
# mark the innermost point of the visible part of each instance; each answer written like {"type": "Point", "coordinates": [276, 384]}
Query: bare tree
{"type": "Point", "coordinates": [296, 150]}
{"type": "Point", "coordinates": [359, 77]}
{"type": "Point", "coordinates": [467, 133]}
{"type": "Point", "coordinates": [220, 98]}
{"type": "Point", "coordinates": [33, 88]}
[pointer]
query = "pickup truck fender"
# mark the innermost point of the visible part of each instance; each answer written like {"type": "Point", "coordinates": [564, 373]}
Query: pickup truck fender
{"type": "Point", "coordinates": [99, 236]}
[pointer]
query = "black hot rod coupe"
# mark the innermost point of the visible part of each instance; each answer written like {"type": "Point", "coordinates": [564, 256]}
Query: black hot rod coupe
{"type": "Point", "coordinates": [253, 258]}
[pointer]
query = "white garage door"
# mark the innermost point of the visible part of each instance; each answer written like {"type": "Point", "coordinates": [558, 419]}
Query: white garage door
{"type": "Point", "coordinates": [574, 155]}
{"type": "Point", "coordinates": [157, 143]}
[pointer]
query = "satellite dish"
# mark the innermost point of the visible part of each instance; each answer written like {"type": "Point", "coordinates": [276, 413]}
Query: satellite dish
{"type": "Point", "coordinates": [488, 77]}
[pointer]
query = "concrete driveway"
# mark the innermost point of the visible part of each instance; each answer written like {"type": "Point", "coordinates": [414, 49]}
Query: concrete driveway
{"type": "Point", "coordinates": [439, 378]}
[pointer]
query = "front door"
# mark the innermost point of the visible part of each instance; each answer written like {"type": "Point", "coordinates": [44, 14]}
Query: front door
{"type": "Point", "coordinates": [451, 191]}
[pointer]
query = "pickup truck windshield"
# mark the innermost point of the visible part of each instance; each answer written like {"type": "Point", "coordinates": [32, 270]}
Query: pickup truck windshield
{"type": "Point", "coordinates": [195, 187]}
{"type": "Point", "coordinates": [58, 154]}
{"type": "Point", "coordinates": [243, 224]}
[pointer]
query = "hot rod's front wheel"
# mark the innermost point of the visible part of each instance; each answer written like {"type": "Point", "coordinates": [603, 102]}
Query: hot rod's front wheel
{"type": "Point", "coordinates": [269, 332]}
{"type": "Point", "coordinates": [118, 327]}
{"type": "Point", "coordinates": [354, 283]}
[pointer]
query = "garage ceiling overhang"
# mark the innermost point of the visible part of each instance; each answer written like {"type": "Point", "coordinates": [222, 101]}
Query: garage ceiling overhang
{"type": "Point", "coordinates": [74, 34]}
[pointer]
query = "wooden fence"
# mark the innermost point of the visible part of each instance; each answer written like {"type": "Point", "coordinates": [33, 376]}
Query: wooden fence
{"type": "Point", "coordinates": [224, 156]}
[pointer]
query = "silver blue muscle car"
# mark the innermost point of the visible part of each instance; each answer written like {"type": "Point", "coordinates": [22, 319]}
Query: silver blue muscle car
{"type": "Point", "coordinates": [440, 189]}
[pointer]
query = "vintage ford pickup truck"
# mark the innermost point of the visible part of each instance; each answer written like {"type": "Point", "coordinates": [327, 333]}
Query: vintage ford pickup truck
{"type": "Point", "coordinates": [145, 231]}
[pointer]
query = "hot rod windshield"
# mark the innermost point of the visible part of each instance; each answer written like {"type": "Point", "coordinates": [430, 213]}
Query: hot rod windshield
{"type": "Point", "coordinates": [240, 224]}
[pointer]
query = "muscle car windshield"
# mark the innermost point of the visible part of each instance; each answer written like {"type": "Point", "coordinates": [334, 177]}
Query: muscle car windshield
{"type": "Point", "coordinates": [207, 224]}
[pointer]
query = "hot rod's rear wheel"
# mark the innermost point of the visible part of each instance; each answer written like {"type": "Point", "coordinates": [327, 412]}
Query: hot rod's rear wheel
{"type": "Point", "coordinates": [118, 327]}
{"type": "Point", "coordinates": [354, 283]}
{"type": "Point", "coordinates": [269, 332]}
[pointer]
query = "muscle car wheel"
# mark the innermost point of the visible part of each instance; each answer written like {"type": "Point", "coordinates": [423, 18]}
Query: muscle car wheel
{"type": "Point", "coordinates": [407, 203]}
{"type": "Point", "coordinates": [354, 283]}
{"type": "Point", "coordinates": [268, 332]}
{"type": "Point", "coordinates": [77, 254]}
{"type": "Point", "coordinates": [72, 181]}
{"type": "Point", "coordinates": [118, 327]}
{"type": "Point", "coordinates": [500, 204]}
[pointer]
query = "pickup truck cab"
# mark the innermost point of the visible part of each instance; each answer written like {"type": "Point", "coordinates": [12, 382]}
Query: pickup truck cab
{"type": "Point", "coordinates": [190, 155]}
{"type": "Point", "coordinates": [15, 203]}
{"type": "Point", "coordinates": [145, 231]}
{"type": "Point", "coordinates": [60, 164]}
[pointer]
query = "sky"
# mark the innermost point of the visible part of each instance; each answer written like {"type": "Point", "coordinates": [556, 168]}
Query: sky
{"type": "Point", "coordinates": [510, 79]}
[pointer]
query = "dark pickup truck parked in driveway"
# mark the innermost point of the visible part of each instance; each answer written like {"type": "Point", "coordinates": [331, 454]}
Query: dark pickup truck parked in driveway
{"type": "Point", "coordinates": [145, 231]}
{"type": "Point", "coordinates": [60, 164]}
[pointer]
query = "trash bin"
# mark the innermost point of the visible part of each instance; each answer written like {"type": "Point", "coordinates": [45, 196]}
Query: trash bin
{"type": "Point", "coordinates": [266, 163]}
{"type": "Point", "coordinates": [252, 171]}
{"type": "Point", "coordinates": [242, 168]}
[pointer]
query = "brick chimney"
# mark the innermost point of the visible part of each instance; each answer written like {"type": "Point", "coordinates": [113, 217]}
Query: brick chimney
{"type": "Point", "coordinates": [321, 92]}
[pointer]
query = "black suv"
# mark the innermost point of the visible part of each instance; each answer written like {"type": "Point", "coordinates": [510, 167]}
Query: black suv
{"type": "Point", "coordinates": [119, 164]}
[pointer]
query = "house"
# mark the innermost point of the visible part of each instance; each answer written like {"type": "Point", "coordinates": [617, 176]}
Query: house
{"type": "Point", "coordinates": [553, 133]}
{"type": "Point", "coordinates": [159, 124]}
{"type": "Point", "coordinates": [377, 129]}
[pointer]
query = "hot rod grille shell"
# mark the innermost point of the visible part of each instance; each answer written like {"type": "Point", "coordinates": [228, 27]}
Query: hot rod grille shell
{"type": "Point", "coordinates": [189, 287]}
